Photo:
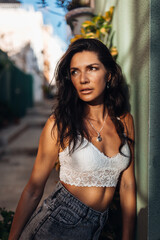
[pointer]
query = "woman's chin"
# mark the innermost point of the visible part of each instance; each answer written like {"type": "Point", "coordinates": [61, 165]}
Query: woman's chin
{"type": "Point", "coordinates": [92, 100]}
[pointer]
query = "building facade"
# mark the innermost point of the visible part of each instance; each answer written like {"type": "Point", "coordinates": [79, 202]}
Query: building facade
{"type": "Point", "coordinates": [29, 43]}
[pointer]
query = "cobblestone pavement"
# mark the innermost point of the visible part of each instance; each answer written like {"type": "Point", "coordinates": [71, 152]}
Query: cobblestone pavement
{"type": "Point", "coordinates": [17, 154]}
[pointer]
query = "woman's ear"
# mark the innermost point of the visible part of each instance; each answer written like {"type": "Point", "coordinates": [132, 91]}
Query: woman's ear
{"type": "Point", "coordinates": [108, 77]}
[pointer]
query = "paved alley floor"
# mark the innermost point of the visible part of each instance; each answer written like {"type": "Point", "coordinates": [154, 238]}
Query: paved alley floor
{"type": "Point", "coordinates": [18, 158]}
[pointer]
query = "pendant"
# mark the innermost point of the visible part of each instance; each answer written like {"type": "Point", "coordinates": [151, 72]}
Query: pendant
{"type": "Point", "coordinates": [99, 138]}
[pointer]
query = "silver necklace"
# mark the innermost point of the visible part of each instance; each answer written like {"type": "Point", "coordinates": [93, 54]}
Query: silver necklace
{"type": "Point", "coordinates": [99, 138]}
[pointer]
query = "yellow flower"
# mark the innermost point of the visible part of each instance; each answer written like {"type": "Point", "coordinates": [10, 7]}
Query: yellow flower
{"type": "Point", "coordinates": [97, 33]}
{"type": "Point", "coordinates": [87, 24]}
{"type": "Point", "coordinates": [109, 14]}
{"type": "Point", "coordinates": [91, 35]}
{"type": "Point", "coordinates": [76, 37]}
{"type": "Point", "coordinates": [111, 10]}
{"type": "Point", "coordinates": [114, 51]}
{"type": "Point", "coordinates": [103, 30]}
{"type": "Point", "coordinates": [82, 31]}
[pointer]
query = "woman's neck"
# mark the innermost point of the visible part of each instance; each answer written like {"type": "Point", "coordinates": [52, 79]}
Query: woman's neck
{"type": "Point", "coordinates": [96, 112]}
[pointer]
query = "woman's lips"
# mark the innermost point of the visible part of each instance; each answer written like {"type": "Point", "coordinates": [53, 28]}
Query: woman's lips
{"type": "Point", "coordinates": [86, 90]}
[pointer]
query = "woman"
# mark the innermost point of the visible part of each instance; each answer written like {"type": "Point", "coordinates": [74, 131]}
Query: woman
{"type": "Point", "coordinates": [92, 135]}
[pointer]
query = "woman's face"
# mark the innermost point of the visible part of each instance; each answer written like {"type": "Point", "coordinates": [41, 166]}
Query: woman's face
{"type": "Point", "coordinates": [88, 76]}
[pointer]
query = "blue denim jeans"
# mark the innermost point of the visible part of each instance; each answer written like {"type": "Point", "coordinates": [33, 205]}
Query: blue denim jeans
{"type": "Point", "coordinates": [64, 217]}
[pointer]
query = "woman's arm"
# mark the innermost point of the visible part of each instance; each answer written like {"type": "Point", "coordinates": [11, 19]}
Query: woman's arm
{"type": "Point", "coordinates": [32, 193]}
{"type": "Point", "coordinates": [128, 189]}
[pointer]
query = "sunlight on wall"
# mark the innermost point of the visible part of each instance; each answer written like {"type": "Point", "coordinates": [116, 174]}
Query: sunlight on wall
{"type": "Point", "coordinates": [131, 25]}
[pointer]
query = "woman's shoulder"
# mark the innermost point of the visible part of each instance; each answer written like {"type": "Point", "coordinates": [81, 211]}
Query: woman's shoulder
{"type": "Point", "coordinates": [51, 120]}
{"type": "Point", "coordinates": [127, 118]}
{"type": "Point", "coordinates": [50, 128]}
{"type": "Point", "coordinates": [128, 123]}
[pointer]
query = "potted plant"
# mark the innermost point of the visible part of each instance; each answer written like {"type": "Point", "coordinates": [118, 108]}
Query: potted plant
{"type": "Point", "coordinates": [100, 27]}
{"type": "Point", "coordinates": [77, 11]}
{"type": "Point", "coordinates": [69, 5]}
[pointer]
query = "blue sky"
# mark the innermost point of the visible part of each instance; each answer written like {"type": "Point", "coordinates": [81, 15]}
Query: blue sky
{"type": "Point", "coordinates": [52, 15]}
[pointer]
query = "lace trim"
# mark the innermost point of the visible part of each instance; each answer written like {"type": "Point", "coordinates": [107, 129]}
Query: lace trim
{"type": "Point", "coordinates": [102, 178]}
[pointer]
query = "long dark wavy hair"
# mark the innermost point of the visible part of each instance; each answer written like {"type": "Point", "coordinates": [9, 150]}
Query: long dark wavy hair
{"type": "Point", "coordinates": [69, 112]}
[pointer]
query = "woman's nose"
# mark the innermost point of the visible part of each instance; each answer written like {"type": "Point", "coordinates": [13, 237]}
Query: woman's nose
{"type": "Point", "coordinates": [84, 78]}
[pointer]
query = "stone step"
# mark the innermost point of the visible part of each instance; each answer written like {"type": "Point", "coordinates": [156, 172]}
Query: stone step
{"type": "Point", "coordinates": [35, 117]}
{"type": "Point", "coordinates": [26, 143]}
{"type": "Point", "coordinates": [38, 110]}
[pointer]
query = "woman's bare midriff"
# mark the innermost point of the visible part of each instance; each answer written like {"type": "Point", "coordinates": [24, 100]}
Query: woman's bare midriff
{"type": "Point", "coordinates": [98, 198]}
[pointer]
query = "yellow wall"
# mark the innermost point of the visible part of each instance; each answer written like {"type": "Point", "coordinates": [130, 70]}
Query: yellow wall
{"type": "Point", "coordinates": [131, 25]}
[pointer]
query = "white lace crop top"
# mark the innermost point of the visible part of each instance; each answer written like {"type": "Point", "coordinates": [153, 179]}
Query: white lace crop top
{"type": "Point", "coordinates": [88, 166]}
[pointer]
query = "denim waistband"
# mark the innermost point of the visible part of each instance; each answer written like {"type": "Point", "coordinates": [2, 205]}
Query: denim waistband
{"type": "Point", "coordinates": [62, 196]}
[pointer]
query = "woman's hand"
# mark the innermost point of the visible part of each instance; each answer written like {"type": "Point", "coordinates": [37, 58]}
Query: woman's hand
{"type": "Point", "coordinates": [32, 193]}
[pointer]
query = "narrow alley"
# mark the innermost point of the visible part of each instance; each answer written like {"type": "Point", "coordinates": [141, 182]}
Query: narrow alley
{"type": "Point", "coordinates": [18, 152]}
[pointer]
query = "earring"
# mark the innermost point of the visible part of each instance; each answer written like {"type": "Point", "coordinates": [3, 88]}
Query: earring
{"type": "Point", "coordinates": [108, 85]}
{"type": "Point", "coordinates": [108, 80]}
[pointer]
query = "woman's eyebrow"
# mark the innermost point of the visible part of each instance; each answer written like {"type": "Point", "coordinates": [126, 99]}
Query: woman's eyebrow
{"type": "Point", "coordinates": [93, 64]}
{"type": "Point", "coordinates": [75, 68]}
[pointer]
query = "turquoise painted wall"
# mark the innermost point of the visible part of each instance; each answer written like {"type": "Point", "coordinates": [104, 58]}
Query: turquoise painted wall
{"type": "Point", "coordinates": [131, 25]}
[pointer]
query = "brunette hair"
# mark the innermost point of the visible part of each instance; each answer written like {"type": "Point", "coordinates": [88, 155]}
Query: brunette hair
{"type": "Point", "coordinates": [69, 111]}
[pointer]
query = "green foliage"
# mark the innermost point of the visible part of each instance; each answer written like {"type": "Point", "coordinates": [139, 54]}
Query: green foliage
{"type": "Point", "coordinates": [6, 218]}
{"type": "Point", "coordinates": [99, 27]}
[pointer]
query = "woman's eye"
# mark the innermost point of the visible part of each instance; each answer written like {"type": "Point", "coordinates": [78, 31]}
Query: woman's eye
{"type": "Point", "coordinates": [73, 73]}
{"type": "Point", "coordinates": [93, 68]}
